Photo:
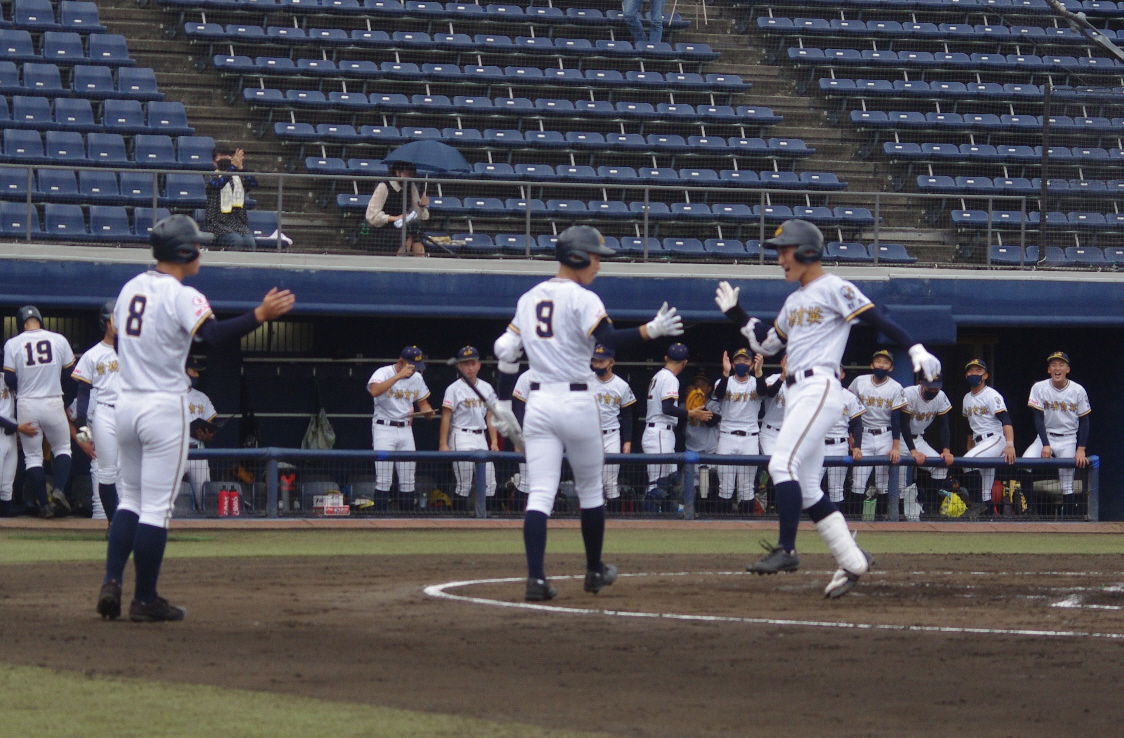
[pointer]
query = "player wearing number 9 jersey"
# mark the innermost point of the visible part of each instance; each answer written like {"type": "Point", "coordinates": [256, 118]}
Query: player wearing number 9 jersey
{"type": "Point", "coordinates": [33, 365]}
{"type": "Point", "coordinates": [157, 317]}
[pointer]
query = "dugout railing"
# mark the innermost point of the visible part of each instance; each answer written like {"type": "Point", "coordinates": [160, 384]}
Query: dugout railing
{"type": "Point", "coordinates": [282, 482]}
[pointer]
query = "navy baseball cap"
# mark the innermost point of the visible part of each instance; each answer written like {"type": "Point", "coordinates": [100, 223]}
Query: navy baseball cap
{"type": "Point", "coordinates": [601, 351]}
{"type": "Point", "coordinates": [742, 352]}
{"type": "Point", "coordinates": [975, 362]}
{"type": "Point", "coordinates": [935, 383]}
{"type": "Point", "coordinates": [1058, 355]}
{"type": "Point", "coordinates": [468, 353]}
{"type": "Point", "coordinates": [884, 354]}
{"type": "Point", "coordinates": [677, 352]}
{"type": "Point", "coordinates": [414, 355]}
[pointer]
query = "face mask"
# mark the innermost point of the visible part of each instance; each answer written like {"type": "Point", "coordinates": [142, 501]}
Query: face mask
{"type": "Point", "coordinates": [930, 396]}
{"type": "Point", "coordinates": [975, 380]}
{"type": "Point", "coordinates": [194, 382]}
{"type": "Point", "coordinates": [600, 371]}
{"type": "Point", "coordinates": [741, 370]}
{"type": "Point", "coordinates": [881, 373]}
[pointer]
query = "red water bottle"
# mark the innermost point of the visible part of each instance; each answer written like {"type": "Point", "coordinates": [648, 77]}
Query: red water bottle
{"type": "Point", "coordinates": [235, 502]}
{"type": "Point", "coordinates": [224, 502]}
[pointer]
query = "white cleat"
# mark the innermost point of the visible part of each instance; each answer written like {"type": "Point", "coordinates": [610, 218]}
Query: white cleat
{"type": "Point", "coordinates": [844, 581]}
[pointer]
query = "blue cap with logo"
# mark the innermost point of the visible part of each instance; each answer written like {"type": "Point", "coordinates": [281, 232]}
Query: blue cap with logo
{"type": "Point", "coordinates": [935, 383]}
{"type": "Point", "coordinates": [468, 353]}
{"type": "Point", "coordinates": [677, 352]}
{"type": "Point", "coordinates": [414, 355]}
{"type": "Point", "coordinates": [1061, 355]}
{"type": "Point", "coordinates": [601, 351]}
{"type": "Point", "coordinates": [975, 362]}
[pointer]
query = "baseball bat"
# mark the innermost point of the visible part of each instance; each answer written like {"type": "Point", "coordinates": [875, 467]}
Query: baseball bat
{"type": "Point", "coordinates": [453, 363]}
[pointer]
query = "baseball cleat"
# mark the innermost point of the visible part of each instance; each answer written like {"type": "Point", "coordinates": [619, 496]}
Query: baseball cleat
{"type": "Point", "coordinates": [56, 496]}
{"type": "Point", "coordinates": [109, 600]}
{"type": "Point", "coordinates": [46, 513]}
{"type": "Point", "coordinates": [844, 581]}
{"type": "Point", "coordinates": [539, 590]}
{"type": "Point", "coordinates": [157, 611]}
{"type": "Point", "coordinates": [594, 580]}
{"type": "Point", "coordinates": [776, 560]}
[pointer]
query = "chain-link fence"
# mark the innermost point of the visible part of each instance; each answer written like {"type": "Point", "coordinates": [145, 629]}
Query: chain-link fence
{"type": "Point", "coordinates": [271, 482]}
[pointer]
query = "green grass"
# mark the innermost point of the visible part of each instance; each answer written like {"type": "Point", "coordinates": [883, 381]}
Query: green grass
{"type": "Point", "coordinates": [29, 546]}
{"type": "Point", "coordinates": [102, 707]}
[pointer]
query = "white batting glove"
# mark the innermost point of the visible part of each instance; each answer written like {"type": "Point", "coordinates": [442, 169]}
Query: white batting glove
{"type": "Point", "coordinates": [726, 296]}
{"type": "Point", "coordinates": [924, 362]}
{"type": "Point", "coordinates": [83, 435]}
{"type": "Point", "coordinates": [666, 323]}
{"type": "Point", "coordinates": [503, 418]}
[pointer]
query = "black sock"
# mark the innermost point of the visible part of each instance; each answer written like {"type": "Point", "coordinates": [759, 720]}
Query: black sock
{"type": "Point", "coordinates": [148, 555]}
{"type": "Point", "coordinates": [788, 509]}
{"type": "Point", "coordinates": [107, 493]}
{"type": "Point", "coordinates": [534, 540]}
{"type": "Point", "coordinates": [122, 533]}
{"type": "Point", "coordinates": [593, 535]}
{"type": "Point", "coordinates": [62, 471]}
{"type": "Point", "coordinates": [37, 478]}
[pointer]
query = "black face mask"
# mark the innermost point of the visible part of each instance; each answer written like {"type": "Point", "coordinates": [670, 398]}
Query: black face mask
{"type": "Point", "coordinates": [602, 371]}
{"type": "Point", "coordinates": [194, 382]}
{"type": "Point", "coordinates": [929, 395]}
{"type": "Point", "coordinates": [741, 370]}
{"type": "Point", "coordinates": [880, 373]}
{"type": "Point", "coordinates": [974, 380]}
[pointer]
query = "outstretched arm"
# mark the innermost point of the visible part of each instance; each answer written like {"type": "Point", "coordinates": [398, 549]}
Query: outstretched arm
{"type": "Point", "coordinates": [923, 361]}
{"type": "Point", "coordinates": [762, 339]}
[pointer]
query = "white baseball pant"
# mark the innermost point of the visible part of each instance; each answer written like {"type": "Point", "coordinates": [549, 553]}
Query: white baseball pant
{"type": "Point", "coordinates": [152, 435]}
{"type": "Point", "coordinates": [48, 414]}
{"type": "Point", "coordinates": [197, 474]}
{"type": "Point", "coordinates": [658, 438]}
{"type": "Point", "coordinates": [741, 477]}
{"type": "Point", "coordinates": [463, 439]}
{"type": "Point", "coordinates": [611, 443]}
{"type": "Point", "coordinates": [1064, 446]}
{"type": "Point", "coordinates": [936, 472]}
{"type": "Point", "coordinates": [991, 445]}
{"type": "Point", "coordinates": [876, 442]}
{"type": "Point", "coordinates": [557, 422]}
{"type": "Point", "coordinates": [104, 431]}
{"type": "Point", "coordinates": [836, 475]}
{"type": "Point", "coordinates": [768, 438]}
{"type": "Point", "coordinates": [9, 457]}
{"type": "Point", "coordinates": [814, 403]}
{"type": "Point", "coordinates": [387, 437]}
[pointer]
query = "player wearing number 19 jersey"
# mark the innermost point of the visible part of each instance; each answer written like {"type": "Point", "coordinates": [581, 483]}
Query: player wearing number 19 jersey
{"type": "Point", "coordinates": [157, 316]}
{"type": "Point", "coordinates": [34, 362]}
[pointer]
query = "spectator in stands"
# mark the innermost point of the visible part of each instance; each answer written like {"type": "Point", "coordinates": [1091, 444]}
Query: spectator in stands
{"type": "Point", "coordinates": [631, 11]}
{"type": "Point", "coordinates": [386, 207]}
{"type": "Point", "coordinates": [226, 202]}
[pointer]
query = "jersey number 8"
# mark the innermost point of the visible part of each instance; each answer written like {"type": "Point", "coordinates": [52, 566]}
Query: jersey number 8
{"type": "Point", "coordinates": [135, 322]}
{"type": "Point", "coordinates": [41, 355]}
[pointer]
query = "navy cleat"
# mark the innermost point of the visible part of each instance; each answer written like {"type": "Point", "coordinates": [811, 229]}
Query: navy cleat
{"type": "Point", "coordinates": [539, 590]}
{"type": "Point", "coordinates": [776, 560]}
{"type": "Point", "coordinates": [595, 580]}
{"type": "Point", "coordinates": [157, 611]}
{"type": "Point", "coordinates": [109, 600]}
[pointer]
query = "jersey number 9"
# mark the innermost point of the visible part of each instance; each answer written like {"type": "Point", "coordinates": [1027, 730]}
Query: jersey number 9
{"type": "Point", "coordinates": [41, 355]}
{"type": "Point", "coordinates": [544, 313]}
{"type": "Point", "coordinates": [135, 321]}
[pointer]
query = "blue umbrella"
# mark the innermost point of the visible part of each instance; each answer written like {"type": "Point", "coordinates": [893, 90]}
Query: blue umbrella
{"type": "Point", "coordinates": [429, 156]}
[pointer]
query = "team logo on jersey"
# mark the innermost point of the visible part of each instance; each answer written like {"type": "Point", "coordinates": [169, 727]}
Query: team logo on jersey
{"type": "Point", "coordinates": [1060, 407]}
{"type": "Point", "coordinates": [805, 316]}
{"type": "Point", "coordinates": [194, 409]}
{"type": "Point", "coordinates": [849, 295]}
{"type": "Point", "coordinates": [608, 399]}
{"type": "Point", "coordinates": [201, 305]}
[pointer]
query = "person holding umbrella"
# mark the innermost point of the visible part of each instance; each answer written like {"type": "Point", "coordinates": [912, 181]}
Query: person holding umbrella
{"type": "Point", "coordinates": [387, 208]}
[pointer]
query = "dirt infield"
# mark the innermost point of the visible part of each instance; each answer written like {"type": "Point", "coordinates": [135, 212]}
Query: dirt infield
{"type": "Point", "coordinates": [362, 630]}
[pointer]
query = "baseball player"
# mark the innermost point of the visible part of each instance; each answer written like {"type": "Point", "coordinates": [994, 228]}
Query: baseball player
{"type": "Point", "coordinates": [663, 414]}
{"type": "Point", "coordinates": [615, 400]}
{"type": "Point", "coordinates": [814, 322]}
{"type": "Point", "coordinates": [97, 375]}
{"type": "Point", "coordinates": [9, 455]}
{"type": "Point", "coordinates": [34, 363]}
{"type": "Point", "coordinates": [201, 418]}
{"type": "Point", "coordinates": [740, 398]}
{"type": "Point", "coordinates": [558, 322]}
{"type": "Point", "coordinates": [702, 437]}
{"type": "Point", "coordinates": [1061, 421]}
{"type": "Point", "coordinates": [157, 317]}
{"type": "Point", "coordinates": [992, 433]}
{"type": "Point", "coordinates": [881, 395]}
{"type": "Point", "coordinates": [519, 409]}
{"type": "Point", "coordinates": [925, 404]}
{"type": "Point", "coordinates": [844, 439]}
{"type": "Point", "coordinates": [465, 422]}
{"type": "Point", "coordinates": [397, 388]}
{"type": "Point", "coordinates": [772, 416]}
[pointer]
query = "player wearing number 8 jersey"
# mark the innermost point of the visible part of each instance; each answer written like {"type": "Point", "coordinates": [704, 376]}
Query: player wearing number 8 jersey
{"type": "Point", "coordinates": [157, 317]}
{"type": "Point", "coordinates": [33, 365]}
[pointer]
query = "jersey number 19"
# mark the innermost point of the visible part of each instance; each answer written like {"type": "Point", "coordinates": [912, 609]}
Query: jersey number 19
{"type": "Point", "coordinates": [41, 355]}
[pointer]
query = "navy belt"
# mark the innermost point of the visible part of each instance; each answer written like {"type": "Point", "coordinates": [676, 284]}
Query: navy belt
{"type": "Point", "coordinates": [659, 425]}
{"type": "Point", "coordinates": [470, 430]}
{"type": "Point", "coordinates": [1058, 435]}
{"type": "Point", "coordinates": [833, 441]}
{"type": "Point", "coordinates": [794, 378]}
{"type": "Point", "coordinates": [392, 423]}
{"type": "Point", "coordinates": [574, 386]}
{"type": "Point", "coordinates": [772, 427]}
{"type": "Point", "coordinates": [977, 439]}
{"type": "Point", "coordinates": [740, 433]}
{"type": "Point", "coordinates": [877, 431]}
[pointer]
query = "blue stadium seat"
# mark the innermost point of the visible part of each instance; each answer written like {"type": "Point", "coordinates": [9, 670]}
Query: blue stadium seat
{"type": "Point", "coordinates": [169, 118]}
{"type": "Point", "coordinates": [626, 142]}
{"type": "Point", "coordinates": [853, 217]}
{"type": "Point", "coordinates": [655, 210]}
{"type": "Point", "coordinates": [690, 247]}
{"type": "Point", "coordinates": [13, 183]}
{"type": "Point", "coordinates": [659, 175]}
{"type": "Point", "coordinates": [821, 181]}
{"type": "Point", "coordinates": [93, 81]}
{"type": "Point", "coordinates": [23, 147]}
{"type": "Point", "coordinates": [338, 133]}
{"type": "Point", "coordinates": [1114, 255]}
{"type": "Point", "coordinates": [195, 152]}
{"type": "Point", "coordinates": [110, 223]}
{"type": "Point", "coordinates": [488, 170]}
{"type": "Point", "coordinates": [110, 49]}
{"type": "Point", "coordinates": [691, 211]}
{"type": "Point", "coordinates": [14, 220]}
{"type": "Point", "coordinates": [516, 243]}
{"type": "Point", "coordinates": [34, 15]}
{"type": "Point", "coordinates": [608, 209]}
{"type": "Point", "coordinates": [137, 187]}
{"type": "Point", "coordinates": [1090, 256]}
{"type": "Point", "coordinates": [367, 167]}
{"type": "Point", "coordinates": [99, 187]}
{"type": "Point", "coordinates": [732, 212]}
{"type": "Point", "coordinates": [32, 112]}
{"type": "Point", "coordinates": [634, 246]}
{"type": "Point", "coordinates": [708, 144]}
{"type": "Point", "coordinates": [124, 116]}
{"type": "Point", "coordinates": [80, 16]}
{"type": "Point", "coordinates": [1087, 221]}
{"type": "Point", "coordinates": [75, 114]}
{"type": "Point", "coordinates": [699, 177]}
{"type": "Point", "coordinates": [485, 206]}
{"type": "Point", "coordinates": [145, 217]}
{"type": "Point", "coordinates": [59, 47]}
{"type": "Point", "coordinates": [773, 213]}
{"type": "Point", "coordinates": [546, 242]}
{"type": "Point", "coordinates": [741, 177]}
{"type": "Point", "coordinates": [623, 175]}
{"type": "Point", "coordinates": [64, 221]}
{"type": "Point", "coordinates": [780, 180]}
{"type": "Point", "coordinates": [150, 150]}
{"type": "Point", "coordinates": [1007, 255]}
{"type": "Point", "coordinates": [475, 242]}
{"type": "Point", "coordinates": [725, 247]}
{"type": "Point", "coordinates": [893, 253]}
{"type": "Point", "coordinates": [184, 190]}
{"type": "Point", "coordinates": [16, 46]}
{"type": "Point", "coordinates": [57, 185]}
{"type": "Point", "coordinates": [1054, 256]}
{"type": "Point", "coordinates": [818, 214]}
{"type": "Point", "coordinates": [42, 79]}
{"type": "Point", "coordinates": [566, 208]}
{"type": "Point", "coordinates": [849, 252]}
{"type": "Point", "coordinates": [575, 173]}
{"type": "Point", "coordinates": [138, 83]}
{"type": "Point", "coordinates": [535, 171]}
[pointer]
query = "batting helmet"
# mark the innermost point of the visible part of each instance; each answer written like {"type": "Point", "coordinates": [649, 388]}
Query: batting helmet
{"type": "Point", "coordinates": [26, 313]}
{"type": "Point", "coordinates": [805, 236]}
{"type": "Point", "coordinates": [176, 239]}
{"type": "Point", "coordinates": [106, 314]}
{"type": "Point", "coordinates": [576, 243]}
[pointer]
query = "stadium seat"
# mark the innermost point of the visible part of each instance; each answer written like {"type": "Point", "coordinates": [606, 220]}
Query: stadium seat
{"type": "Point", "coordinates": [16, 45]}
{"type": "Point", "coordinates": [43, 79]}
{"type": "Point", "coordinates": [34, 15]}
{"type": "Point", "coordinates": [61, 47]}
{"type": "Point", "coordinates": [110, 223]}
{"type": "Point", "coordinates": [99, 187]}
{"type": "Point", "coordinates": [1090, 256]}
{"type": "Point", "coordinates": [195, 152]}
{"type": "Point", "coordinates": [109, 49]}
{"type": "Point", "coordinates": [690, 247]}
{"type": "Point", "coordinates": [137, 187]}
{"type": "Point", "coordinates": [1007, 255]}
{"type": "Point", "coordinates": [31, 112]}
{"type": "Point", "coordinates": [57, 185]}
{"type": "Point", "coordinates": [14, 220]}
{"type": "Point", "coordinates": [23, 147]}
{"type": "Point", "coordinates": [725, 247]}
{"type": "Point", "coordinates": [854, 253]}
{"type": "Point", "coordinates": [138, 83]}
{"type": "Point", "coordinates": [157, 151]}
{"type": "Point", "coordinates": [145, 217]}
{"type": "Point", "coordinates": [75, 114]}
{"type": "Point", "coordinates": [475, 242]}
{"type": "Point", "coordinates": [64, 221]}
{"type": "Point", "coordinates": [893, 253]}
{"type": "Point", "coordinates": [80, 16]}
{"type": "Point", "coordinates": [93, 81]}
{"type": "Point", "coordinates": [184, 190]}
{"type": "Point", "coordinates": [169, 118]}
{"type": "Point", "coordinates": [13, 183]}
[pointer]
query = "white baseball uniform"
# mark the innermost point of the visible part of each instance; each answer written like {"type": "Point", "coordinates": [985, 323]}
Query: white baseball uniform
{"type": "Point", "coordinates": [38, 358]}
{"type": "Point", "coordinates": [99, 367]}
{"type": "Point", "coordinates": [880, 400]}
{"type": "Point", "coordinates": [157, 317]}
{"type": "Point", "coordinates": [9, 456]}
{"type": "Point", "coordinates": [738, 435]}
{"type": "Point", "coordinates": [773, 416]}
{"type": "Point", "coordinates": [921, 413]}
{"type": "Point", "coordinates": [521, 392]}
{"type": "Point", "coordinates": [836, 445]}
{"type": "Point", "coordinates": [554, 323]}
{"type": "Point", "coordinates": [468, 431]}
{"type": "Point", "coordinates": [1061, 409]}
{"type": "Point", "coordinates": [980, 408]}
{"type": "Point", "coordinates": [612, 395]}
{"type": "Point", "coordinates": [659, 427]}
{"type": "Point", "coordinates": [199, 407]}
{"type": "Point", "coordinates": [392, 427]}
